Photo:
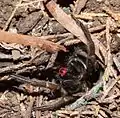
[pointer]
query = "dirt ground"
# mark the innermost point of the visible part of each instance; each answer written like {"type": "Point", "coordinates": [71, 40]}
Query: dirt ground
{"type": "Point", "coordinates": [31, 17]}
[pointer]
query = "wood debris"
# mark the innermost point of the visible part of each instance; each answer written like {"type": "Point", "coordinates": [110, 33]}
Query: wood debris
{"type": "Point", "coordinates": [59, 58]}
{"type": "Point", "coordinates": [30, 41]}
{"type": "Point", "coordinates": [79, 5]}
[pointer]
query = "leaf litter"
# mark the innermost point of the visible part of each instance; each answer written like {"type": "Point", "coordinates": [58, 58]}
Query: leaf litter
{"type": "Point", "coordinates": [61, 61]}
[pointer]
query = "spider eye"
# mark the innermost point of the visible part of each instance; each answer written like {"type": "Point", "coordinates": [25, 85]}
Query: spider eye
{"type": "Point", "coordinates": [62, 71]}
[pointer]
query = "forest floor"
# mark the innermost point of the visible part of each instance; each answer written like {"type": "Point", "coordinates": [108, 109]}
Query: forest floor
{"type": "Point", "coordinates": [81, 79]}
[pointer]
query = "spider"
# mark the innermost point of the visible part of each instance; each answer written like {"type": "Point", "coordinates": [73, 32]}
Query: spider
{"type": "Point", "coordinates": [73, 72]}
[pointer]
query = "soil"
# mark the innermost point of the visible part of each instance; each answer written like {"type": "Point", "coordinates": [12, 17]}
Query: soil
{"type": "Point", "coordinates": [31, 20]}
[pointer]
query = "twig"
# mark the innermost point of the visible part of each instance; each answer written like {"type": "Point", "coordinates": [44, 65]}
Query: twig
{"type": "Point", "coordinates": [12, 15]}
{"type": "Point", "coordinates": [29, 3]}
{"type": "Point", "coordinates": [111, 98]}
{"type": "Point", "coordinates": [108, 61]}
{"type": "Point", "coordinates": [117, 62]}
{"type": "Point", "coordinates": [66, 113]}
{"type": "Point", "coordinates": [96, 29]}
{"type": "Point", "coordinates": [84, 17]}
{"type": "Point", "coordinates": [103, 114]}
{"type": "Point", "coordinates": [113, 14]}
{"type": "Point", "coordinates": [31, 41]}
{"type": "Point", "coordinates": [35, 82]}
{"type": "Point", "coordinates": [108, 38]}
{"type": "Point", "coordinates": [52, 60]}
{"type": "Point", "coordinates": [38, 55]}
{"type": "Point", "coordinates": [54, 37]}
{"type": "Point", "coordinates": [10, 57]}
{"type": "Point", "coordinates": [89, 16]}
{"type": "Point", "coordinates": [79, 5]}
{"type": "Point", "coordinates": [93, 93]}
{"type": "Point", "coordinates": [55, 104]}
{"type": "Point", "coordinates": [99, 47]}
{"type": "Point", "coordinates": [108, 57]}
{"type": "Point", "coordinates": [71, 42]}
{"type": "Point", "coordinates": [26, 69]}
{"type": "Point", "coordinates": [12, 68]}
{"type": "Point", "coordinates": [29, 109]}
{"type": "Point", "coordinates": [111, 86]}
{"type": "Point", "coordinates": [92, 14]}
{"type": "Point", "coordinates": [114, 72]}
{"type": "Point", "coordinates": [38, 104]}
{"type": "Point", "coordinates": [27, 65]}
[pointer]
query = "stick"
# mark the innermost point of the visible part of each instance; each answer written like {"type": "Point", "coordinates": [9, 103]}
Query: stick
{"type": "Point", "coordinates": [56, 104]}
{"type": "Point", "coordinates": [80, 4]}
{"type": "Point", "coordinates": [29, 109]}
{"type": "Point", "coordinates": [109, 88]}
{"type": "Point", "coordinates": [35, 82]}
{"type": "Point", "coordinates": [93, 93]}
{"type": "Point", "coordinates": [30, 41]}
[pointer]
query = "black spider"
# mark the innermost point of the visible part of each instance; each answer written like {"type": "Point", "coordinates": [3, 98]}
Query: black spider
{"type": "Point", "coordinates": [73, 72]}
